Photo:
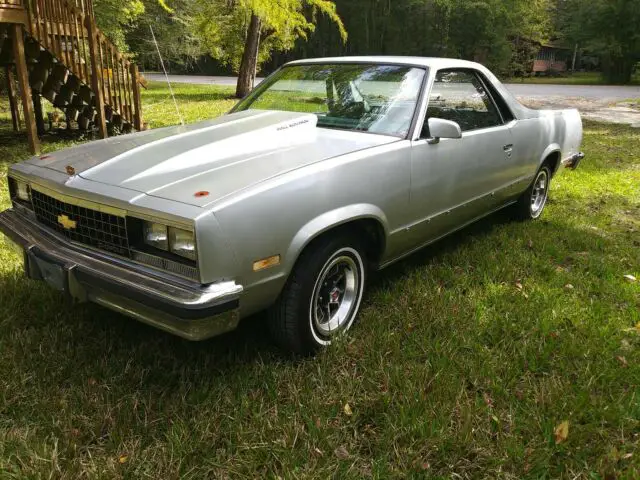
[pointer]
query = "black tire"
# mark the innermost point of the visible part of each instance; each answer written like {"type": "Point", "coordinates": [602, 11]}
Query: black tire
{"type": "Point", "coordinates": [292, 321]}
{"type": "Point", "coordinates": [526, 207]}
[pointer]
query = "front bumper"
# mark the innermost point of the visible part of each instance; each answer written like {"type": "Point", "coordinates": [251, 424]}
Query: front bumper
{"type": "Point", "coordinates": [181, 307]}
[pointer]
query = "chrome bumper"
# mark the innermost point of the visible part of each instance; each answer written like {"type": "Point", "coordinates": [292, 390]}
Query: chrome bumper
{"type": "Point", "coordinates": [181, 307]}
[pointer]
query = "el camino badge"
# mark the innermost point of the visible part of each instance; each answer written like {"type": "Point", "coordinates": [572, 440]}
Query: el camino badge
{"type": "Point", "coordinates": [66, 222]}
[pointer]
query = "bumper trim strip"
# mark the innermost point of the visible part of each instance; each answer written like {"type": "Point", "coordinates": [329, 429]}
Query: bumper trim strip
{"type": "Point", "coordinates": [187, 309]}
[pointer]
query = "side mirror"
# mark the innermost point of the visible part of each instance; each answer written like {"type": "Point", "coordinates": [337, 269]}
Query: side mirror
{"type": "Point", "coordinates": [439, 128]}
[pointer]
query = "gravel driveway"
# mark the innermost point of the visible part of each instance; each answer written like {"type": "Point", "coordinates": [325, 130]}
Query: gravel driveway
{"type": "Point", "coordinates": [615, 104]}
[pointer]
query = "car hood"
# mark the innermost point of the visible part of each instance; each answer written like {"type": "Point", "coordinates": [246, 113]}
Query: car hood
{"type": "Point", "coordinates": [220, 156]}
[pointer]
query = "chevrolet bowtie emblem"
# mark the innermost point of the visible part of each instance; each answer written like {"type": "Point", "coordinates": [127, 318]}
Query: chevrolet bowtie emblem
{"type": "Point", "coordinates": [66, 222]}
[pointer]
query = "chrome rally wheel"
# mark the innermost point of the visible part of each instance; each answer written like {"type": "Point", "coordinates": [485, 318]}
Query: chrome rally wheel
{"type": "Point", "coordinates": [336, 295]}
{"type": "Point", "coordinates": [531, 203]}
{"type": "Point", "coordinates": [539, 193]}
{"type": "Point", "coordinates": [322, 296]}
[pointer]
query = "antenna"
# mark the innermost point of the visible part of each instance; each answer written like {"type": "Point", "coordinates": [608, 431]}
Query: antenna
{"type": "Point", "coordinates": [167, 77]}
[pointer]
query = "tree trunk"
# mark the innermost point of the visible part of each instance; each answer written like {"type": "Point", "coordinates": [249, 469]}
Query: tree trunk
{"type": "Point", "coordinates": [249, 58]}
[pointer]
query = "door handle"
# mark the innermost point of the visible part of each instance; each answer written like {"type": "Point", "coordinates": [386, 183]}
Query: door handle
{"type": "Point", "coordinates": [508, 147]}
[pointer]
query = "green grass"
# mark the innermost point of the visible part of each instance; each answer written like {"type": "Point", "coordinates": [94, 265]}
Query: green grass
{"type": "Point", "coordinates": [578, 78]}
{"type": "Point", "coordinates": [465, 358]}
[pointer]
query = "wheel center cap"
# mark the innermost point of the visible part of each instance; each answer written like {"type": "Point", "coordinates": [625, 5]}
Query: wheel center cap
{"type": "Point", "coordinates": [334, 296]}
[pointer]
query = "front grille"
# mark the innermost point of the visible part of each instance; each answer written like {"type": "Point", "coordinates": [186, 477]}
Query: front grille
{"type": "Point", "coordinates": [92, 227]}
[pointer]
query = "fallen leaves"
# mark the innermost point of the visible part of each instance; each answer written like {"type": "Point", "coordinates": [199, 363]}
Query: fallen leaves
{"type": "Point", "coordinates": [347, 410]}
{"type": "Point", "coordinates": [630, 278]}
{"type": "Point", "coordinates": [123, 459]}
{"type": "Point", "coordinates": [561, 432]}
{"type": "Point", "coordinates": [341, 452]}
{"type": "Point", "coordinates": [520, 288]}
{"type": "Point", "coordinates": [568, 286]}
{"type": "Point", "coordinates": [622, 361]}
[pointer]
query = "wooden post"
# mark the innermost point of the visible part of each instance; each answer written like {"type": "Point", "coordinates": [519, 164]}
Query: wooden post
{"type": "Point", "coordinates": [96, 77]}
{"type": "Point", "coordinates": [137, 102]}
{"type": "Point", "coordinates": [25, 89]}
{"type": "Point", "coordinates": [13, 104]}
{"type": "Point", "coordinates": [37, 113]}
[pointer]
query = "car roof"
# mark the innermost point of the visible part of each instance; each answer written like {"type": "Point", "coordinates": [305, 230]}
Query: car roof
{"type": "Point", "coordinates": [431, 62]}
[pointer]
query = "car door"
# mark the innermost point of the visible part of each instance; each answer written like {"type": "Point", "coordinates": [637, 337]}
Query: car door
{"type": "Point", "coordinates": [454, 181]}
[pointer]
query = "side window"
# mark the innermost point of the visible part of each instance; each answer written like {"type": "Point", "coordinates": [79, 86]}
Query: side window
{"type": "Point", "coordinates": [460, 96]}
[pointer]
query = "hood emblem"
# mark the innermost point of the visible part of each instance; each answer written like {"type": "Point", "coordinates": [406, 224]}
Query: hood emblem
{"type": "Point", "coordinates": [70, 170]}
{"type": "Point", "coordinates": [66, 222]}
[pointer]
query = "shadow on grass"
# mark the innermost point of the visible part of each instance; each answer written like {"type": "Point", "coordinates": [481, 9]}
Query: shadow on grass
{"type": "Point", "coordinates": [95, 332]}
{"type": "Point", "coordinates": [16, 144]}
{"type": "Point", "coordinates": [448, 244]}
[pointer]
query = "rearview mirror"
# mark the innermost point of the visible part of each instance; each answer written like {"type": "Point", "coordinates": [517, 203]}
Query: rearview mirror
{"type": "Point", "coordinates": [440, 128]}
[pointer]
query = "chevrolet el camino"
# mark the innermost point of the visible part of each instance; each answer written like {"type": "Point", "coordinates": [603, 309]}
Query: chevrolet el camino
{"type": "Point", "coordinates": [328, 170]}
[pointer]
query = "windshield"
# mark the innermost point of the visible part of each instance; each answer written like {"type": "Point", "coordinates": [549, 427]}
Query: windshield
{"type": "Point", "coordinates": [369, 98]}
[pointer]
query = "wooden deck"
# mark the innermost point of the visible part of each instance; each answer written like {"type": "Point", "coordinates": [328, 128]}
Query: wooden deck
{"type": "Point", "coordinates": [12, 11]}
{"type": "Point", "coordinates": [71, 64]}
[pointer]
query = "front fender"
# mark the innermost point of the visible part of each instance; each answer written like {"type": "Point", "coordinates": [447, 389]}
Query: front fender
{"type": "Point", "coordinates": [329, 220]}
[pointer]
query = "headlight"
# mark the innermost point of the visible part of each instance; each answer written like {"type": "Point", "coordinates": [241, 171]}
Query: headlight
{"type": "Point", "coordinates": [170, 239]}
{"type": "Point", "coordinates": [20, 190]}
{"type": "Point", "coordinates": [155, 235]}
{"type": "Point", "coordinates": [182, 242]}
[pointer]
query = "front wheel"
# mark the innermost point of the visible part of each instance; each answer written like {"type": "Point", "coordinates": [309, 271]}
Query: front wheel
{"type": "Point", "coordinates": [322, 296]}
{"type": "Point", "coordinates": [531, 203]}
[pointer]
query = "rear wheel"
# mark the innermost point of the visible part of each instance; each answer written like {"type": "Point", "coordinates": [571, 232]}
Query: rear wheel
{"type": "Point", "coordinates": [322, 296]}
{"type": "Point", "coordinates": [531, 203]}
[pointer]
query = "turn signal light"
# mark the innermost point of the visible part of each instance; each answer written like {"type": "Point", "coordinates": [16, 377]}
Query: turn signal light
{"type": "Point", "coordinates": [266, 263]}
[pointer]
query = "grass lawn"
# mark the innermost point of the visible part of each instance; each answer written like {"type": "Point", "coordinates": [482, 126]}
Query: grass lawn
{"type": "Point", "coordinates": [578, 78]}
{"type": "Point", "coordinates": [465, 359]}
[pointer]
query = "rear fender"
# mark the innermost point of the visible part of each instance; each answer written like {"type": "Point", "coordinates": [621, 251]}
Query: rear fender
{"type": "Point", "coordinates": [550, 150]}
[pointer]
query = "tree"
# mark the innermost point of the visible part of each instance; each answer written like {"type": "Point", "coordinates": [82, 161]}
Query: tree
{"type": "Point", "coordinates": [116, 17]}
{"type": "Point", "coordinates": [607, 28]}
{"type": "Point", "coordinates": [244, 33]}
{"type": "Point", "coordinates": [482, 30]}
{"type": "Point", "coordinates": [175, 30]}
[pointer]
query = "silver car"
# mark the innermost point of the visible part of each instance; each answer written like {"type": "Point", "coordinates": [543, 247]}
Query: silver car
{"type": "Point", "coordinates": [330, 169]}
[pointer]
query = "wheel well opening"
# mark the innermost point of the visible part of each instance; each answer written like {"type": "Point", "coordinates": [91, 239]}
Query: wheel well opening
{"type": "Point", "coordinates": [368, 230]}
{"type": "Point", "coordinates": [553, 162]}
